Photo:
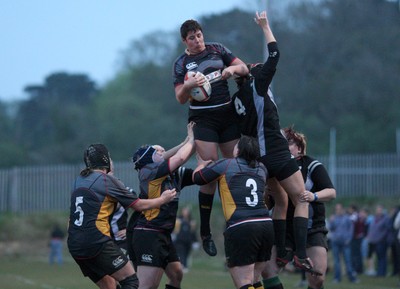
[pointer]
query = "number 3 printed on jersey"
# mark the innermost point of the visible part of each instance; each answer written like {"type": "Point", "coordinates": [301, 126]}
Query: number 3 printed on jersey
{"type": "Point", "coordinates": [79, 200]}
{"type": "Point", "coordinates": [250, 183]}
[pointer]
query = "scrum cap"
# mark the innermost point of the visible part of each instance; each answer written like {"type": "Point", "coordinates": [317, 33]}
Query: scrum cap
{"type": "Point", "coordinates": [143, 156]}
{"type": "Point", "coordinates": [96, 156]}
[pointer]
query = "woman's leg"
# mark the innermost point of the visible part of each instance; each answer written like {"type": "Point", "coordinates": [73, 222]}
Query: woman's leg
{"type": "Point", "coordinates": [149, 277]}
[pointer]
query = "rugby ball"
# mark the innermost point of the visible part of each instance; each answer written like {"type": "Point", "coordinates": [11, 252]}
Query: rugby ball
{"type": "Point", "coordinates": [199, 93]}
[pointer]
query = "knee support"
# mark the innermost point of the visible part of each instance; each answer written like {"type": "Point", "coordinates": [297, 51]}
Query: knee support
{"type": "Point", "coordinates": [131, 282]}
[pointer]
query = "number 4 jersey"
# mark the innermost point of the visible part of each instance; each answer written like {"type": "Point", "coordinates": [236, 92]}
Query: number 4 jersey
{"type": "Point", "coordinates": [93, 200]}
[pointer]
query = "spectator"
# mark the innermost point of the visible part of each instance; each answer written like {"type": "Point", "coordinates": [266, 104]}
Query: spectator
{"type": "Point", "coordinates": [396, 225]}
{"type": "Point", "coordinates": [360, 230]}
{"type": "Point", "coordinates": [365, 213]}
{"type": "Point", "coordinates": [56, 245]}
{"type": "Point", "coordinates": [342, 229]}
{"type": "Point", "coordinates": [394, 242]}
{"type": "Point", "coordinates": [185, 232]}
{"type": "Point", "coordinates": [377, 243]}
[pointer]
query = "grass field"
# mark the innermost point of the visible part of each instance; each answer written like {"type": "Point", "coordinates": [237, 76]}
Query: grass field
{"type": "Point", "coordinates": [34, 272]}
{"type": "Point", "coordinates": [24, 264]}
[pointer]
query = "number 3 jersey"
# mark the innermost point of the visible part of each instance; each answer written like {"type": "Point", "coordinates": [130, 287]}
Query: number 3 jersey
{"type": "Point", "coordinates": [241, 189]}
{"type": "Point", "coordinates": [93, 200]}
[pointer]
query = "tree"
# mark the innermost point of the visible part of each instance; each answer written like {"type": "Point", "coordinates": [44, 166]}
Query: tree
{"type": "Point", "coordinates": [339, 67]}
{"type": "Point", "coordinates": [10, 153]}
{"type": "Point", "coordinates": [139, 111]}
{"type": "Point", "coordinates": [55, 120]}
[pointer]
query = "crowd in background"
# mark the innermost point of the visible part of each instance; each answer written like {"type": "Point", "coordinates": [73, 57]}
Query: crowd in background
{"type": "Point", "coordinates": [365, 242]}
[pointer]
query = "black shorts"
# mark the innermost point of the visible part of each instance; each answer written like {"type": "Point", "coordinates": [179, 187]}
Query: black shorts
{"type": "Point", "coordinates": [217, 125]}
{"type": "Point", "coordinates": [153, 248]}
{"type": "Point", "coordinates": [280, 165]}
{"type": "Point", "coordinates": [109, 260]}
{"type": "Point", "coordinates": [248, 243]}
{"type": "Point", "coordinates": [317, 239]}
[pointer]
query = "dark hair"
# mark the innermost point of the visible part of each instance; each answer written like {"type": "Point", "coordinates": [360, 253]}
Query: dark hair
{"type": "Point", "coordinates": [96, 156]}
{"type": "Point", "coordinates": [240, 80]}
{"type": "Point", "coordinates": [354, 207]}
{"type": "Point", "coordinates": [249, 150]}
{"type": "Point", "coordinates": [190, 25]}
{"type": "Point", "coordinates": [254, 68]}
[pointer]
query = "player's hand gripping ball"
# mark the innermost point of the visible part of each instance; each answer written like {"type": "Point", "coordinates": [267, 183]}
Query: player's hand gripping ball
{"type": "Point", "coordinates": [201, 93]}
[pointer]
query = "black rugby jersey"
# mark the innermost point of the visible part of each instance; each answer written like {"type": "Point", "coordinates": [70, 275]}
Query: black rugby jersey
{"type": "Point", "coordinates": [241, 189]}
{"type": "Point", "coordinates": [214, 57]}
{"type": "Point", "coordinates": [93, 200]}
{"type": "Point", "coordinates": [256, 107]}
{"type": "Point", "coordinates": [316, 178]}
{"type": "Point", "coordinates": [154, 179]}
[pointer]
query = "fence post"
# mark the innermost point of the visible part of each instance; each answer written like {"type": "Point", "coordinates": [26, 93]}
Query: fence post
{"type": "Point", "coordinates": [332, 155]}
{"type": "Point", "coordinates": [13, 190]}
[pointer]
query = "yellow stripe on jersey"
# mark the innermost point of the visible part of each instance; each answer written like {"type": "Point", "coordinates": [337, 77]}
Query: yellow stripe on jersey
{"type": "Point", "coordinates": [228, 204]}
{"type": "Point", "coordinates": [154, 191]}
{"type": "Point", "coordinates": [106, 209]}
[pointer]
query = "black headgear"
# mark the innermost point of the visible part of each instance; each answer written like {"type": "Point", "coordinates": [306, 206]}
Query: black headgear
{"type": "Point", "coordinates": [97, 156]}
{"type": "Point", "coordinates": [143, 156]}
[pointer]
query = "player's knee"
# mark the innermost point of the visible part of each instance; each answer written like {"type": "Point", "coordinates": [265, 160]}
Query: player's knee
{"type": "Point", "coordinates": [178, 276]}
{"type": "Point", "coordinates": [130, 282]}
{"type": "Point", "coordinates": [175, 277]}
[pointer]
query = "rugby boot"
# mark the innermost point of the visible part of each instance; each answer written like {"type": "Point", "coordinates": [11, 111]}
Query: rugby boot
{"type": "Point", "coordinates": [306, 265]}
{"type": "Point", "coordinates": [284, 260]}
{"type": "Point", "coordinates": [209, 246]}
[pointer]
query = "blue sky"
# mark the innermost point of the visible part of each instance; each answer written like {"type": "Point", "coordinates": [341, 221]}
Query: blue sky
{"type": "Point", "coordinates": [84, 36]}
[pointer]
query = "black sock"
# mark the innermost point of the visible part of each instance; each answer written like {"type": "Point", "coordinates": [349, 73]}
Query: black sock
{"type": "Point", "coordinates": [273, 283]}
{"type": "Point", "coordinates": [280, 236]}
{"type": "Point", "coordinates": [300, 225]}
{"type": "Point", "coordinates": [258, 285]}
{"type": "Point", "coordinates": [205, 205]}
{"type": "Point", "coordinates": [170, 287]}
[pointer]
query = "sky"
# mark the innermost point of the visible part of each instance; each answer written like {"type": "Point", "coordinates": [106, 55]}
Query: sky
{"type": "Point", "coordinates": [42, 37]}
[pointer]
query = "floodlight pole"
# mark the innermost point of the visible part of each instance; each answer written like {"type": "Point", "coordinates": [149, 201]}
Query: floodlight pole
{"type": "Point", "coordinates": [332, 154]}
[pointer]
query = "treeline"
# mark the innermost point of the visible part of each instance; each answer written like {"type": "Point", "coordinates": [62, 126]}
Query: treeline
{"type": "Point", "coordinates": [339, 68]}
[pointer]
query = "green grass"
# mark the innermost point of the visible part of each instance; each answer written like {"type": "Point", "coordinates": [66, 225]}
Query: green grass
{"type": "Point", "coordinates": [24, 253]}
{"type": "Point", "coordinates": [23, 272]}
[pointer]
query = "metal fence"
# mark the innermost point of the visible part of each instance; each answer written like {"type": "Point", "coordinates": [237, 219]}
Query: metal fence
{"type": "Point", "coordinates": [47, 188]}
